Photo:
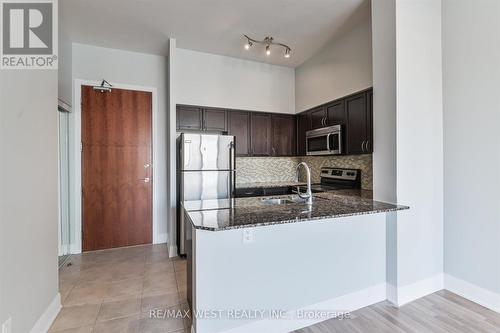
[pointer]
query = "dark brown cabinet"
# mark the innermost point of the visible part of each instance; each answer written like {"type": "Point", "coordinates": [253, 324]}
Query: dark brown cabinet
{"type": "Point", "coordinates": [318, 117]}
{"type": "Point", "coordinates": [358, 124]}
{"type": "Point", "coordinates": [283, 135]}
{"type": "Point", "coordinates": [260, 134]}
{"type": "Point", "coordinates": [190, 118]}
{"type": "Point", "coordinates": [214, 120]}
{"type": "Point", "coordinates": [303, 125]}
{"type": "Point", "coordinates": [201, 119]}
{"type": "Point", "coordinates": [336, 113]}
{"type": "Point", "coordinates": [369, 103]}
{"type": "Point", "coordinates": [354, 113]}
{"type": "Point", "coordinates": [239, 126]}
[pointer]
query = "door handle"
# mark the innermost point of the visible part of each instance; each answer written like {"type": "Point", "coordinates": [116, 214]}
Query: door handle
{"type": "Point", "coordinates": [146, 165]}
{"type": "Point", "coordinates": [363, 146]}
{"type": "Point", "coordinates": [145, 180]}
{"type": "Point", "coordinates": [328, 142]}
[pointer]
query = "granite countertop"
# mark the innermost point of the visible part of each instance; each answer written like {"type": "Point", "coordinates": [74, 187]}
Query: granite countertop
{"type": "Point", "coordinates": [225, 214]}
{"type": "Point", "coordinates": [268, 184]}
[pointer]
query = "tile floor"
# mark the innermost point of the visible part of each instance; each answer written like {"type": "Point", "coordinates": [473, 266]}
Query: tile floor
{"type": "Point", "coordinates": [114, 291]}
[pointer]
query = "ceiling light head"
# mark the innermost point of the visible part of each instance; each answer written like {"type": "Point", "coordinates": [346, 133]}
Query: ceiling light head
{"type": "Point", "coordinates": [248, 44]}
{"type": "Point", "coordinates": [268, 50]}
{"type": "Point", "coordinates": [287, 53]}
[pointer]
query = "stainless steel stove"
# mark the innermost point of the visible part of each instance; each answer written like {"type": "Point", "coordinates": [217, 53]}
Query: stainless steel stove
{"type": "Point", "coordinates": [336, 179]}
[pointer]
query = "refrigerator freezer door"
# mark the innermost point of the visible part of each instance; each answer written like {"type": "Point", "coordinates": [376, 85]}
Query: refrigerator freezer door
{"type": "Point", "coordinates": [207, 152]}
{"type": "Point", "coordinates": [200, 185]}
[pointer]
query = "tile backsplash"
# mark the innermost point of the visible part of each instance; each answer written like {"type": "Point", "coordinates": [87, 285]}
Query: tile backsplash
{"type": "Point", "coordinates": [271, 169]}
{"type": "Point", "coordinates": [265, 169]}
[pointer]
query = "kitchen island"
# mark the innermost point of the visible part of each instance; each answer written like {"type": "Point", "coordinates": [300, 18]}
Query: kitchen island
{"type": "Point", "coordinates": [260, 264]}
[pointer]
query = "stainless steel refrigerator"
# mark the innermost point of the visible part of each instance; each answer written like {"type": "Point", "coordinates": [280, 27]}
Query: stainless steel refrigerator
{"type": "Point", "coordinates": [206, 170]}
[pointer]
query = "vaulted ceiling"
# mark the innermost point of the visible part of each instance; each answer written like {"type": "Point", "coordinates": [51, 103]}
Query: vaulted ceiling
{"type": "Point", "coordinates": [213, 26]}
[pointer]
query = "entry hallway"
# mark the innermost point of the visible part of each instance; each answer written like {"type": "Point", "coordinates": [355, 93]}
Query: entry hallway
{"type": "Point", "coordinates": [114, 290]}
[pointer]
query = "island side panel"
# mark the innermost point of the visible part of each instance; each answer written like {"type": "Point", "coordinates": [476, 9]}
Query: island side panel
{"type": "Point", "coordinates": [287, 267]}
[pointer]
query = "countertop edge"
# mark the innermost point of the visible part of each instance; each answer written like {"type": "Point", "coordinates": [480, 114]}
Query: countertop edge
{"type": "Point", "coordinates": [264, 224]}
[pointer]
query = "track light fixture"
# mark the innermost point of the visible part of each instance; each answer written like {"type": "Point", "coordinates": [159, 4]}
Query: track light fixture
{"type": "Point", "coordinates": [268, 41]}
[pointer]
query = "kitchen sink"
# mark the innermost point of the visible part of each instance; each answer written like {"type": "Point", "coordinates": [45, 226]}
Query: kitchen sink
{"type": "Point", "coordinates": [282, 201]}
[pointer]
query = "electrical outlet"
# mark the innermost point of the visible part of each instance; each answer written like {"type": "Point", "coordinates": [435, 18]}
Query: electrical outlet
{"type": "Point", "coordinates": [247, 236]}
{"type": "Point", "coordinates": [7, 326]}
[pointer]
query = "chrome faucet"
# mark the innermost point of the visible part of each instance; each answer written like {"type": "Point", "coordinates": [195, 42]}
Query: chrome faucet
{"type": "Point", "coordinates": [308, 194]}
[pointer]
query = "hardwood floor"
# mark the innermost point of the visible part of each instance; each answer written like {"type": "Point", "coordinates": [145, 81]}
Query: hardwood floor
{"type": "Point", "coordinates": [442, 311]}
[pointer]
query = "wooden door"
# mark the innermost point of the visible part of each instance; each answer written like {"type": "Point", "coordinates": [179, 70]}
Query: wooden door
{"type": "Point", "coordinates": [303, 125]}
{"type": "Point", "coordinates": [357, 123]}
{"type": "Point", "coordinates": [260, 134]}
{"type": "Point", "coordinates": [116, 168]}
{"type": "Point", "coordinates": [239, 126]}
{"type": "Point", "coordinates": [189, 117]}
{"type": "Point", "coordinates": [318, 118]}
{"type": "Point", "coordinates": [283, 135]}
{"type": "Point", "coordinates": [214, 120]}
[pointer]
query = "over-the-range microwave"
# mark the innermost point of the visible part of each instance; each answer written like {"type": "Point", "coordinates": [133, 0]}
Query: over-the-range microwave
{"type": "Point", "coordinates": [324, 141]}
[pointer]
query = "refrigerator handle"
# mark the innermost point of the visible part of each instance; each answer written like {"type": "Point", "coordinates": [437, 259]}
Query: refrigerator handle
{"type": "Point", "coordinates": [231, 168]}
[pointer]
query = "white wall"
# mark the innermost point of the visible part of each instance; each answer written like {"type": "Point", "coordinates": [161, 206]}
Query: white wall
{"type": "Point", "coordinates": [124, 67]}
{"type": "Point", "coordinates": [471, 80]}
{"type": "Point", "coordinates": [213, 80]}
{"type": "Point", "coordinates": [341, 68]}
{"type": "Point", "coordinates": [419, 127]}
{"type": "Point", "coordinates": [28, 196]}
{"type": "Point", "coordinates": [408, 126]}
{"type": "Point", "coordinates": [384, 122]}
{"type": "Point", "coordinates": [384, 99]}
{"type": "Point", "coordinates": [172, 146]}
{"type": "Point", "coordinates": [64, 63]}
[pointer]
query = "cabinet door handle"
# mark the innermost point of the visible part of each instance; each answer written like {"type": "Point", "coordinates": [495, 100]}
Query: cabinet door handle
{"type": "Point", "coordinates": [363, 146]}
{"type": "Point", "coordinates": [367, 143]}
{"type": "Point", "coordinates": [273, 151]}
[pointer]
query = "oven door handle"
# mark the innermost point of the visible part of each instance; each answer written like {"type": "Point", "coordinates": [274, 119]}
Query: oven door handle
{"type": "Point", "coordinates": [328, 141]}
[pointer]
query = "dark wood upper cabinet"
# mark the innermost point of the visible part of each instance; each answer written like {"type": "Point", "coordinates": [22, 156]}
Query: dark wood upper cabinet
{"type": "Point", "coordinates": [196, 118]}
{"type": "Point", "coordinates": [336, 113]}
{"type": "Point", "coordinates": [239, 126]}
{"type": "Point", "coordinates": [369, 101]}
{"type": "Point", "coordinates": [260, 134]}
{"type": "Point", "coordinates": [214, 119]}
{"type": "Point", "coordinates": [303, 125]}
{"type": "Point", "coordinates": [283, 135]}
{"type": "Point", "coordinates": [318, 117]}
{"type": "Point", "coordinates": [189, 118]}
{"type": "Point", "coordinates": [357, 123]}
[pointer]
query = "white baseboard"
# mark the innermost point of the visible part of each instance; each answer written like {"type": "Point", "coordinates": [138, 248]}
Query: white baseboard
{"type": "Point", "coordinates": [75, 249]}
{"type": "Point", "coordinates": [392, 293]}
{"type": "Point", "coordinates": [472, 292]}
{"type": "Point", "coordinates": [349, 302]}
{"type": "Point", "coordinates": [43, 323]}
{"type": "Point", "coordinates": [160, 238]}
{"type": "Point", "coordinates": [406, 294]}
{"type": "Point", "coordinates": [172, 251]}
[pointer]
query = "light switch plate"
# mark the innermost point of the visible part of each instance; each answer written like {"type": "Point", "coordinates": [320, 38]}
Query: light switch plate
{"type": "Point", "coordinates": [247, 236]}
{"type": "Point", "coordinates": [7, 326]}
